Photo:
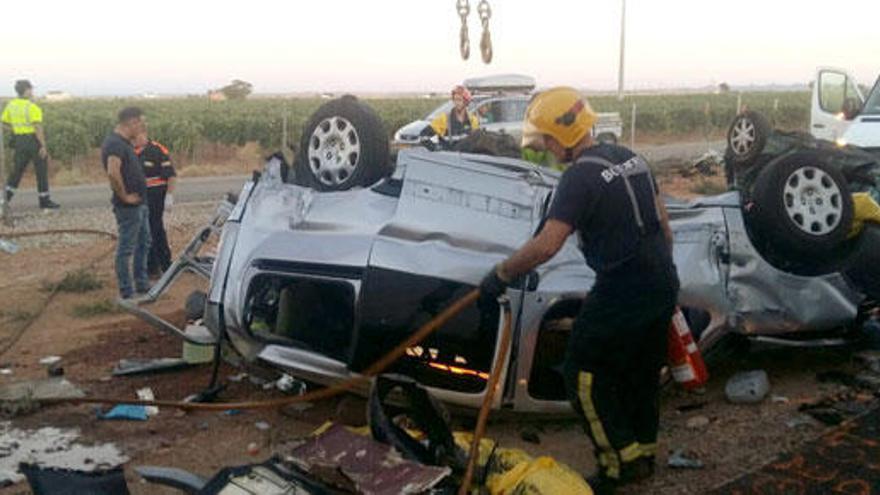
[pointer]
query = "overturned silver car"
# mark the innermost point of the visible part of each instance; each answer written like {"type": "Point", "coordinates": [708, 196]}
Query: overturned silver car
{"type": "Point", "coordinates": [322, 283]}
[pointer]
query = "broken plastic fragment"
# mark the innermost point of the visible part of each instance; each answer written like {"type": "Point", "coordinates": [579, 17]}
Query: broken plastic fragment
{"type": "Point", "coordinates": [125, 411]}
{"type": "Point", "coordinates": [146, 393]}
{"type": "Point", "coordinates": [679, 460]}
{"type": "Point", "coordinates": [290, 385]}
{"type": "Point", "coordinates": [747, 387]}
{"type": "Point", "coordinates": [8, 246]}
{"type": "Point", "coordinates": [50, 360]}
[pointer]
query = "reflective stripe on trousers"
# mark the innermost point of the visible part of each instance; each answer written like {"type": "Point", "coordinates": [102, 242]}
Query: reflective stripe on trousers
{"type": "Point", "coordinates": [608, 457]}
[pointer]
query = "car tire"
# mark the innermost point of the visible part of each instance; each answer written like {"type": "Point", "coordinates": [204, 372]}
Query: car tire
{"type": "Point", "coordinates": [606, 138]}
{"type": "Point", "coordinates": [802, 206]}
{"type": "Point", "coordinates": [344, 144]}
{"type": "Point", "coordinates": [747, 137]}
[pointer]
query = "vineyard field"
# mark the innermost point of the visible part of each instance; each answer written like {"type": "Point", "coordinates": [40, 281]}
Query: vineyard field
{"type": "Point", "coordinates": [76, 128]}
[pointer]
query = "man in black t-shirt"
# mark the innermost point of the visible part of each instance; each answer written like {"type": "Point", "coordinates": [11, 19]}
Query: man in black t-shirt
{"type": "Point", "coordinates": [609, 197]}
{"type": "Point", "coordinates": [129, 192]}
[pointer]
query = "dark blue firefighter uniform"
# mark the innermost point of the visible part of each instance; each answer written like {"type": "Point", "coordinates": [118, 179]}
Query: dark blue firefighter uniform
{"type": "Point", "coordinates": [157, 171]}
{"type": "Point", "coordinates": [618, 343]}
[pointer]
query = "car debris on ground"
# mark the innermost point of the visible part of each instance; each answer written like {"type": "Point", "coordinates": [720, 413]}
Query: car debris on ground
{"type": "Point", "coordinates": [698, 422]}
{"type": "Point", "coordinates": [747, 387]}
{"type": "Point", "coordinates": [196, 353]}
{"type": "Point", "coordinates": [146, 393]}
{"type": "Point", "coordinates": [800, 420]}
{"type": "Point", "coordinates": [129, 412]}
{"type": "Point", "coordinates": [8, 247]}
{"type": "Point", "coordinates": [54, 448]}
{"type": "Point", "coordinates": [290, 385]}
{"type": "Point", "coordinates": [709, 164]}
{"type": "Point", "coordinates": [530, 434]}
{"type": "Point", "coordinates": [126, 367]}
{"type": "Point", "coordinates": [49, 480]}
{"type": "Point", "coordinates": [678, 459]}
{"type": "Point", "coordinates": [365, 466]}
{"type": "Point", "coordinates": [835, 409]}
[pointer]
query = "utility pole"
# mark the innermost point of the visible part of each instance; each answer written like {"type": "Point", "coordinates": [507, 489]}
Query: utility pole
{"type": "Point", "coordinates": [622, 47]}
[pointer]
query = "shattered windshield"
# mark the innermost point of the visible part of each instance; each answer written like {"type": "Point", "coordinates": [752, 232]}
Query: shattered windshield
{"type": "Point", "coordinates": [872, 105]}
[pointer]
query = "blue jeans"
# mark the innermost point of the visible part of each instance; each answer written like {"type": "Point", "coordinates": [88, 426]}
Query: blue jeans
{"type": "Point", "coordinates": [134, 239]}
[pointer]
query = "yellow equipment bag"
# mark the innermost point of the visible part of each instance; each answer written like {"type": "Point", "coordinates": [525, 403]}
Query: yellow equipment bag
{"type": "Point", "coordinates": [515, 471]}
{"type": "Point", "coordinates": [542, 476]}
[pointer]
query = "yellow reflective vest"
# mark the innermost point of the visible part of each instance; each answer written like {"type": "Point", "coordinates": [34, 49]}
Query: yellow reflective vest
{"type": "Point", "coordinates": [441, 124]}
{"type": "Point", "coordinates": [22, 115]}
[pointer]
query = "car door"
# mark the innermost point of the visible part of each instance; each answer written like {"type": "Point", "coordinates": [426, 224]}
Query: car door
{"type": "Point", "coordinates": [835, 101]}
{"type": "Point", "coordinates": [456, 216]}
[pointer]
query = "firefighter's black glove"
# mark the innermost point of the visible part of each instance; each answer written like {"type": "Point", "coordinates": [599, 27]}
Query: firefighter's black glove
{"type": "Point", "coordinates": [491, 287]}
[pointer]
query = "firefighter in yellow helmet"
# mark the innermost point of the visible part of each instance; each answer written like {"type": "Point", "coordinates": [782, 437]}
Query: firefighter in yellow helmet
{"type": "Point", "coordinates": [609, 198]}
{"type": "Point", "coordinates": [25, 119]}
{"type": "Point", "coordinates": [458, 122]}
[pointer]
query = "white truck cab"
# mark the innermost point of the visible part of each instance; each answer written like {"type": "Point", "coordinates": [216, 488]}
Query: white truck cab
{"type": "Point", "coordinates": [840, 113]}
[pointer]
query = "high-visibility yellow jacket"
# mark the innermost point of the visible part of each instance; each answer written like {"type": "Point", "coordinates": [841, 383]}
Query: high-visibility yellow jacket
{"type": "Point", "coordinates": [22, 115]}
{"type": "Point", "coordinates": [865, 209]}
{"type": "Point", "coordinates": [441, 125]}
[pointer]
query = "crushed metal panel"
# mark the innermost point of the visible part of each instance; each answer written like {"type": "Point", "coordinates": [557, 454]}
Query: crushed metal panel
{"type": "Point", "coordinates": [427, 234]}
{"type": "Point", "coordinates": [768, 301]}
{"type": "Point", "coordinates": [373, 468]}
{"type": "Point", "coordinates": [701, 249]}
{"type": "Point", "coordinates": [53, 481]}
{"type": "Point", "coordinates": [141, 366]}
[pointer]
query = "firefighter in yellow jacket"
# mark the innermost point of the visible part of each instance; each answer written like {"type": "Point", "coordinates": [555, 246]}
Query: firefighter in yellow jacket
{"type": "Point", "coordinates": [458, 122]}
{"type": "Point", "coordinates": [25, 119]}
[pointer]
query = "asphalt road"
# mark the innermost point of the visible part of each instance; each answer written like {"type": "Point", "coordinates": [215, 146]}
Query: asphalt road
{"type": "Point", "coordinates": [210, 188]}
{"type": "Point", "coordinates": [87, 196]}
{"type": "Point", "coordinates": [678, 151]}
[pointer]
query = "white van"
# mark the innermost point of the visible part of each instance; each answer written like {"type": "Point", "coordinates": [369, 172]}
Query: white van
{"type": "Point", "coordinates": [840, 113]}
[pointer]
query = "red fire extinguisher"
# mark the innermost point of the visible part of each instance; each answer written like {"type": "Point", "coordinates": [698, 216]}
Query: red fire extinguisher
{"type": "Point", "coordinates": [685, 361]}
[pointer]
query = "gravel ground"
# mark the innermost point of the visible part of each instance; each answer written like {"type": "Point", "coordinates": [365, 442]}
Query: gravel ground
{"type": "Point", "coordinates": [183, 218]}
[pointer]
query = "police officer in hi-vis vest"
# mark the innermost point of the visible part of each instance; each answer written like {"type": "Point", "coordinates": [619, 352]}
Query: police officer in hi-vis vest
{"type": "Point", "coordinates": [25, 119]}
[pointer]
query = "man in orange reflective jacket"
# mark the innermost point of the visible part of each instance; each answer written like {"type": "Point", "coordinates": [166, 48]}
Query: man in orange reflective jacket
{"type": "Point", "coordinates": [161, 180]}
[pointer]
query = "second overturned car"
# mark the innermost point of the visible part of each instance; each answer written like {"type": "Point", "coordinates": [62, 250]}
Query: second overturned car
{"type": "Point", "coordinates": [321, 284]}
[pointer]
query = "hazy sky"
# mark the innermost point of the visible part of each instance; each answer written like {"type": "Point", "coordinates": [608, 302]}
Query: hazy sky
{"type": "Point", "coordinates": [92, 47]}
